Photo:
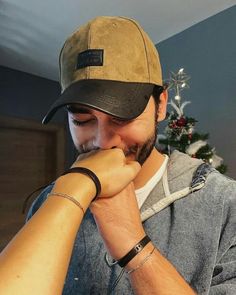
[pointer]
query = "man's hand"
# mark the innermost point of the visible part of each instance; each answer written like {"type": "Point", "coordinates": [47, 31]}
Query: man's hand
{"type": "Point", "coordinates": [118, 220]}
{"type": "Point", "coordinates": [119, 223]}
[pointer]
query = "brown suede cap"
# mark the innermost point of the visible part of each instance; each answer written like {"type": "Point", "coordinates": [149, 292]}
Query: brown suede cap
{"type": "Point", "coordinates": [109, 64]}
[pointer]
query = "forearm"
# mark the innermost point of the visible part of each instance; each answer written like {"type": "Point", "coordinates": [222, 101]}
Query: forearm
{"type": "Point", "coordinates": [119, 223]}
{"type": "Point", "coordinates": [36, 260]}
{"type": "Point", "coordinates": [157, 275]}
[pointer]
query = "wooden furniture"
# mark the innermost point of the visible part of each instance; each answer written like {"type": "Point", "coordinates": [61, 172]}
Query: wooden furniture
{"type": "Point", "coordinates": [31, 155]}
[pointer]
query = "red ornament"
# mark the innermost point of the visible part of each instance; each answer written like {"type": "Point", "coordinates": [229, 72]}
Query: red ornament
{"type": "Point", "coordinates": [181, 122]}
{"type": "Point", "coordinates": [173, 125]}
{"type": "Point", "coordinates": [190, 135]}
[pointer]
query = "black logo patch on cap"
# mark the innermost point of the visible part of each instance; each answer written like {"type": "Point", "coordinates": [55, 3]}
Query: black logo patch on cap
{"type": "Point", "coordinates": [90, 57]}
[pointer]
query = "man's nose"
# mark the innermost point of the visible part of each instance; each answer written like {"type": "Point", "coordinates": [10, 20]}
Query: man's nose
{"type": "Point", "coordinates": [106, 138]}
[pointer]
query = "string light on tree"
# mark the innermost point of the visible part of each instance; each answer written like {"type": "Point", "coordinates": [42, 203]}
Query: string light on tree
{"type": "Point", "coordinates": [180, 132]}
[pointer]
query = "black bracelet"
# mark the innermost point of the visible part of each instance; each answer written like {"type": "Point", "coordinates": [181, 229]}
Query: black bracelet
{"type": "Point", "coordinates": [90, 174]}
{"type": "Point", "coordinates": [134, 251]}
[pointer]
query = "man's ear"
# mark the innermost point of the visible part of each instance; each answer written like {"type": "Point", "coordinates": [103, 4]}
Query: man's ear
{"type": "Point", "coordinates": [161, 114]}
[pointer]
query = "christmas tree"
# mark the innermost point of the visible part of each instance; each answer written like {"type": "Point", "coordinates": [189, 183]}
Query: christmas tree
{"type": "Point", "coordinates": [180, 131]}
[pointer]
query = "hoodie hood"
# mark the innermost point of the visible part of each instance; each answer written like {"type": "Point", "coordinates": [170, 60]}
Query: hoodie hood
{"type": "Point", "coordinates": [182, 176]}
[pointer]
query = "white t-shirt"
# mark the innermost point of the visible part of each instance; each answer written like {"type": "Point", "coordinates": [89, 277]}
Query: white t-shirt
{"type": "Point", "coordinates": [143, 192]}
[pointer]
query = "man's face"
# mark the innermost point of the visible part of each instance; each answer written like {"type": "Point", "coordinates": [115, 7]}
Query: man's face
{"type": "Point", "coordinates": [91, 130]}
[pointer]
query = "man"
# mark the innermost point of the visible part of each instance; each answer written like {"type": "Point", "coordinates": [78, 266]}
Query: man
{"type": "Point", "coordinates": [112, 88]}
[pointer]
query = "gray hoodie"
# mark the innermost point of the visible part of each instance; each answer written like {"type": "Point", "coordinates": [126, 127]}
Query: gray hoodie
{"type": "Point", "coordinates": [190, 217]}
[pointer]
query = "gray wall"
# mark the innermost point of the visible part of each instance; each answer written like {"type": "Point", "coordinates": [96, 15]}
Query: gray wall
{"type": "Point", "coordinates": [27, 96]}
{"type": "Point", "coordinates": [207, 52]}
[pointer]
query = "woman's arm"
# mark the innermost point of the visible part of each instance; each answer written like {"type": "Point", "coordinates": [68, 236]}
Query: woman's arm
{"type": "Point", "coordinates": [37, 259]}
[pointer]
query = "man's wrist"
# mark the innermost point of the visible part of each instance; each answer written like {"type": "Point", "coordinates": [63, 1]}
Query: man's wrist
{"type": "Point", "coordinates": [140, 257]}
{"type": "Point", "coordinates": [134, 251]}
{"type": "Point", "coordinates": [130, 254]}
{"type": "Point", "coordinates": [123, 243]}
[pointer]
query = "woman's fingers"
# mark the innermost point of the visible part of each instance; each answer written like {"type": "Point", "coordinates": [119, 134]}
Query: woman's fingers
{"type": "Point", "coordinates": [134, 168]}
{"type": "Point", "coordinates": [111, 167]}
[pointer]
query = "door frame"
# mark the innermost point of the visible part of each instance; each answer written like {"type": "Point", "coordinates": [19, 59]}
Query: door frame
{"type": "Point", "coordinates": [58, 131]}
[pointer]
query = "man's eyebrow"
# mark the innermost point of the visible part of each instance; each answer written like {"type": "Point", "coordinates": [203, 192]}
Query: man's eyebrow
{"type": "Point", "coordinates": [74, 109]}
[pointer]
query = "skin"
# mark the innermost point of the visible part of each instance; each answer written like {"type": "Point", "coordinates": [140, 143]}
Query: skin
{"type": "Point", "coordinates": [118, 218]}
{"type": "Point", "coordinates": [92, 130]}
{"type": "Point", "coordinates": [29, 264]}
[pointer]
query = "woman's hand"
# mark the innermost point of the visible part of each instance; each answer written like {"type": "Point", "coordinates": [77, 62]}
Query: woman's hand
{"type": "Point", "coordinates": [111, 167]}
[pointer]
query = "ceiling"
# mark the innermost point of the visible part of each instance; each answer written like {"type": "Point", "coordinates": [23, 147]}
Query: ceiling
{"type": "Point", "coordinates": [32, 31]}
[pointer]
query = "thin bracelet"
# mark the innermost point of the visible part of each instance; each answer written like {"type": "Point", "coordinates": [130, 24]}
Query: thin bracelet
{"type": "Point", "coordinates": [90, 174]}
{"type": "Point", "coordinates": [67, 197]}
{"type": "Point", "coordinates": [142, 263]}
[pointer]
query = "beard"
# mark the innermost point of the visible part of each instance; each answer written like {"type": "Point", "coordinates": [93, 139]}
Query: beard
{"type": "Point", "coordinates": [142, 152]}
{"type": "Point", "coordinates": [137, 152]}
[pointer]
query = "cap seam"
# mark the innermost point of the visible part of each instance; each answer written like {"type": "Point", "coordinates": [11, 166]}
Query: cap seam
{"type": "Point", "coordinates": [60, 55]}
{"type": "Point", "coordinates": [143, 42]}
{"type": "Point", "coordinates": [89, 47]}
{"type": "Point", "coordinates": [128, 69]}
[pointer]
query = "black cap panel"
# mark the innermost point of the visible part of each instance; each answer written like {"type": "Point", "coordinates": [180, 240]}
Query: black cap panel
{"type": "Point", "coordinates": [120, 99]}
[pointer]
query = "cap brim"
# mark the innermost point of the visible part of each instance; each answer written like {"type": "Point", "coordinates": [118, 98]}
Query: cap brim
{"type": "Point", "coordinates": [125, 100]}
